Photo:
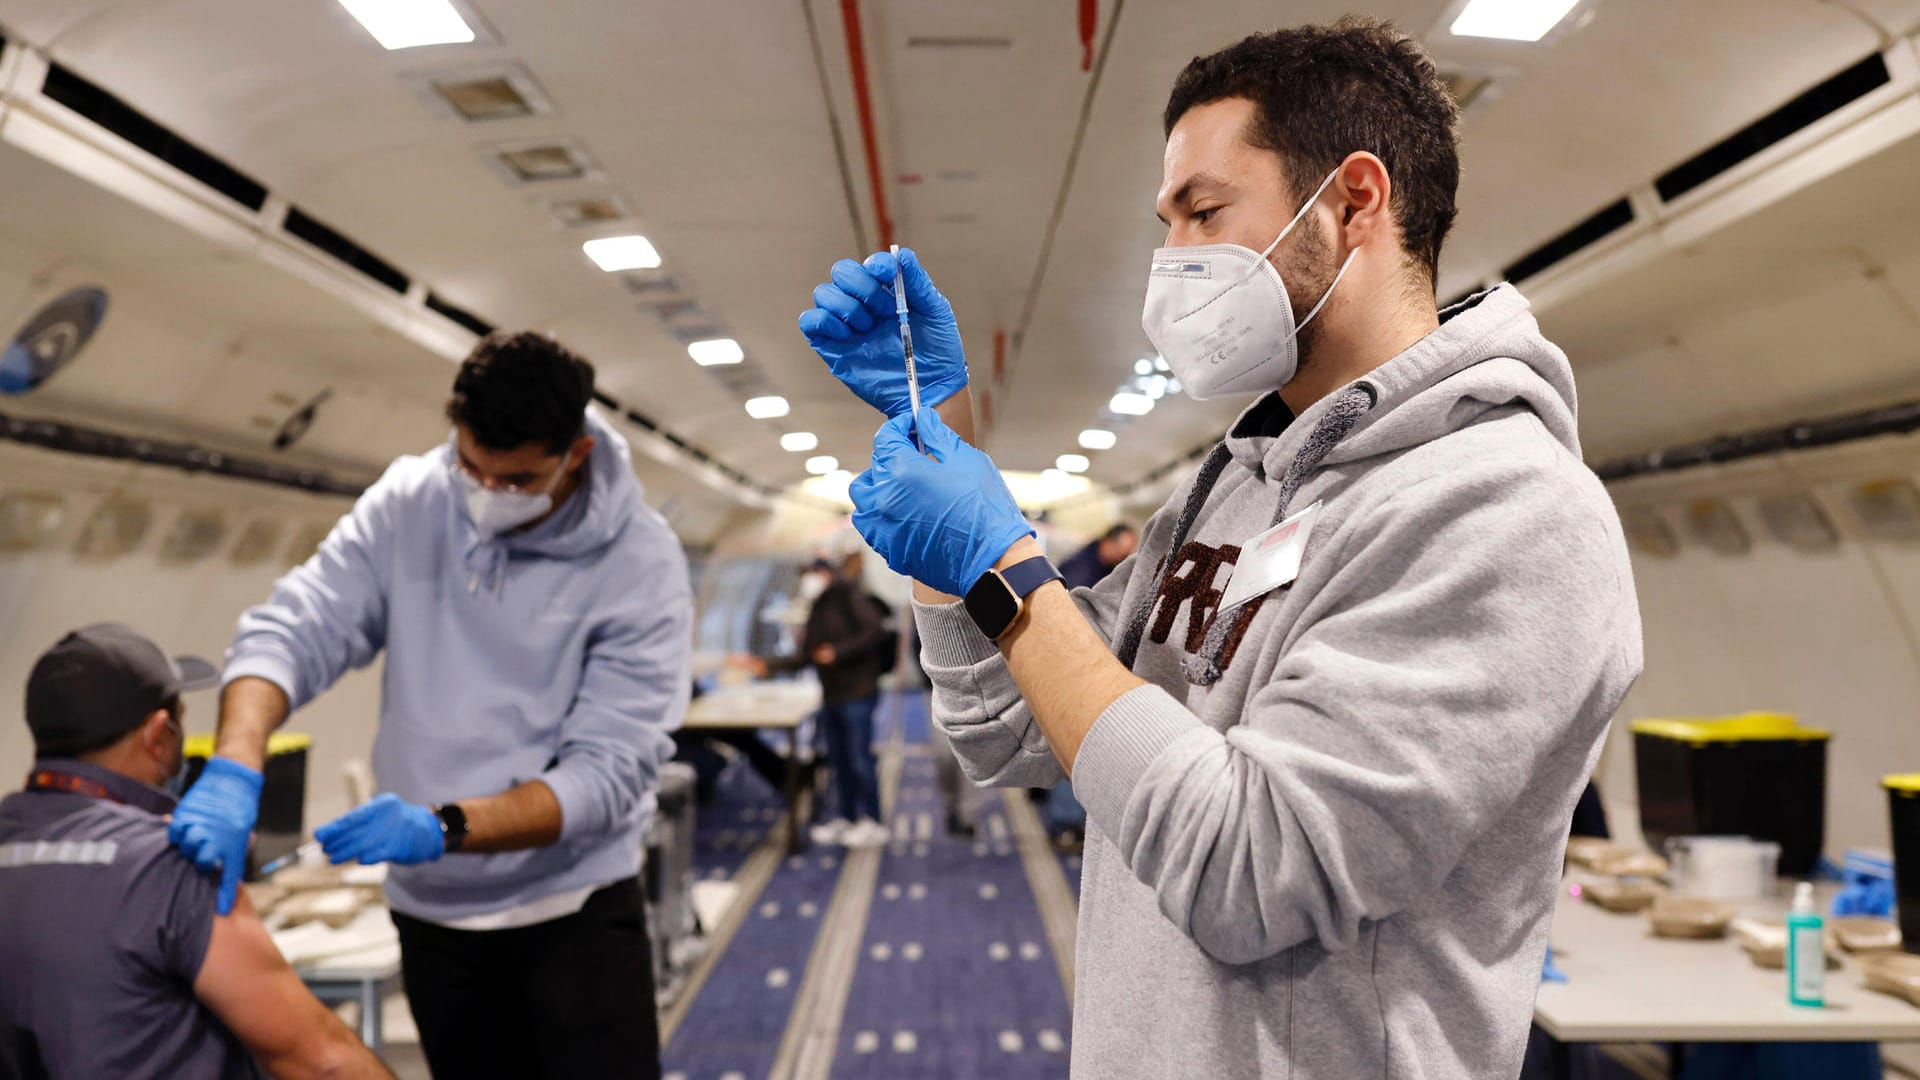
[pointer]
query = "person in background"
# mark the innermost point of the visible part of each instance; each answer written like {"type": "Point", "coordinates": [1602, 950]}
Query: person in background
{"type": "Point", "coordinates": [1085, 568]}
{"type": "Point", "coordinates": [535, 615]}
{"type": "Point", "coordinates": [849, 644]}
{"type": "Point", "coordinates": [112, 960]}
{"type": "Point", "coordinates": [1330, 723]}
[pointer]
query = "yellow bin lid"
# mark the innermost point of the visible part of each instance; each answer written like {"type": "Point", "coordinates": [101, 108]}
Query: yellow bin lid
{"type": "Point", "coordinates": [280, 742]}
{"type": "Point", "coordinates": [1747, 727]}
{"type": "Point", "coordinates": [1904, 783]}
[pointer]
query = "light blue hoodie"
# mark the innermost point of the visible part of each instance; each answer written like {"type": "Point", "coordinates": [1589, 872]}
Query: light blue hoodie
{"type": "Point", "coordinates": [559, 653]}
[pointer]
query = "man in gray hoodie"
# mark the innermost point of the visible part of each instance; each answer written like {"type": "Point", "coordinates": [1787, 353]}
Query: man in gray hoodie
{"type": "Point", "coordinates": [1330, 722]}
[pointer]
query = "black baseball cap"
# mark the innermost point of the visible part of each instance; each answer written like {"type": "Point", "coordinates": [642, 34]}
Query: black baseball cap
{"type": "Point", "coordinates": [98, 683]}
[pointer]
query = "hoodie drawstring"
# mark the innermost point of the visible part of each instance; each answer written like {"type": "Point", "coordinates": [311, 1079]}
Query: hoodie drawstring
{"type": "Point", "coordinates": [488, 559]}
{"type": "Point", "coordinates": [1204, 669]}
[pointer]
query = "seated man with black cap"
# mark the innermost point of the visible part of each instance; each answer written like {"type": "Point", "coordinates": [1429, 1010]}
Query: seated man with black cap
{"type": "Point", "coordinates": [112, 961]}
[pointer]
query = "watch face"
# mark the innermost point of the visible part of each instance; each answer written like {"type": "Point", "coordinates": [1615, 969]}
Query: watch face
{"type": "Point", "coordinates": [992, 605]}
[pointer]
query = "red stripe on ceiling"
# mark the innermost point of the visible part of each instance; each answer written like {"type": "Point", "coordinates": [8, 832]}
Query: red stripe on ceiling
{"type": "Point", "coordinates": [1089, 17]}
{"type": "Point", "coordinates": [999, 355]}
{"type": "Point", "coordinates": [863, 100]}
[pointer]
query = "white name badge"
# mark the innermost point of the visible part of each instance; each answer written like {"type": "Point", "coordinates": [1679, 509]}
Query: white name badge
{"type": "Point", "coordinates": [1270, 560]}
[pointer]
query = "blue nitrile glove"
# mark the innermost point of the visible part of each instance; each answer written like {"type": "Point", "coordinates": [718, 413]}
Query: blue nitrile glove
{"type": "Point", "coordinates": [1549, 971]}
{"type": "Point", "coordinates": [386, 828]}
{"type": "Point", "coordinates": [944, 522]}
{"type": "Point", "coordinates": [214, 822]}
{"type": "Point", "coordinates": [852, 325]}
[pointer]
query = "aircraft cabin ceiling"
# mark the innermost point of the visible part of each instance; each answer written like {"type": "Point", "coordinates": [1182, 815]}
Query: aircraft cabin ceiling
{"type": "Point", "coordinates": [730, 136]}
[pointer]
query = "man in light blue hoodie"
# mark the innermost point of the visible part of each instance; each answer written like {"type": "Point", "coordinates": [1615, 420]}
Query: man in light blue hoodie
{"type": "Point", "coordinates": [535, 614]}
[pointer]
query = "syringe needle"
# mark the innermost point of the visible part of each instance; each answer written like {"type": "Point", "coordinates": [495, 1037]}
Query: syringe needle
{"type": "Point", "coordinates": [906, 344]}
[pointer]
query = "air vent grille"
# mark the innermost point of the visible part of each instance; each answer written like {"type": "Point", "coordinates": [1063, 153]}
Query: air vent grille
{"type": "Point", "coordinates": [959, 41]}
{"type": "Point", "coordinates": [1589, 232]}
{"type": "Point", "coordinates": [680, 311]}
{"type": "Point", "coordinates": [90, 101]}
{"type": "Point", "coordinates": [1465, 86]}
{"type": "Point", "coordinates": [305, 227]}
{"type": "Point", "coordinates": [458, 315]}
{"type": "Point", "coordinates": [492, 97]}
{"type": "Point", "coordinates": [652, 286]}
{"type": "Point", "coordinates": [543, 161]}
{"type": "Point", "coordinates": [588, 211]}
{"type": "Point", "coordinates": [1808, 108]}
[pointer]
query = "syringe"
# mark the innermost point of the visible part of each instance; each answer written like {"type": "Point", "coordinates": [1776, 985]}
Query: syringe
{"type": "Point", "coordinates": [304, 851]}
{"type": "Point", "coordinates": [906, 343]}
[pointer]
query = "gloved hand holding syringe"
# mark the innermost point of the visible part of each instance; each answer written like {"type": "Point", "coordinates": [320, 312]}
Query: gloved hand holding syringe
{"type": "Point", "coordinates": [887, 333]}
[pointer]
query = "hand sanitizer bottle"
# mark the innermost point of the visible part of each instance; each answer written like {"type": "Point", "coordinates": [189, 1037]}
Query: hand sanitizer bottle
{"type": "Point", "coordinates": [1806, 950]}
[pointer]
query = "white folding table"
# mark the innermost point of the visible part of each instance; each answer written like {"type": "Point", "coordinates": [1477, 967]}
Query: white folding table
{"type": "Point", "coordinates": [1626, 985]}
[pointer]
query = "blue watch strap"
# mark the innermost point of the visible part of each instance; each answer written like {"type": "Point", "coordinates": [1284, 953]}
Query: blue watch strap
{"type": "Point", "coordinates": [1029, 574]}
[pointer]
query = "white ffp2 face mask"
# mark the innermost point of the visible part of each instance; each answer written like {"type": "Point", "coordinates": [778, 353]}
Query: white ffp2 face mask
{"type": "Point", "coordinates": [1220, 316]}
{"type": "Point", "coordinates": [496, 512]}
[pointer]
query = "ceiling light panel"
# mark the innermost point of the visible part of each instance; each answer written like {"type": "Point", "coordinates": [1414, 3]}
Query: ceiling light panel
{"type": "Point", "coordinates": [770, 407]}
{"type": "Point", "coordinates": [617, 253]}
{"type": "Point", "coordinates": [797, 442]}
{"type": "Point", "coordinates": [1073, 463]}
{"type": "Point", "coordinates": [716, 351]}
{"type": "Point", "coordinates": [407, 24]}
{"type": "Point", "coordinates": [1097, 439]}
{"type": "Point", "coordinates": [1128, 403]}
{"type": "Point", "coordinates": [1510, 20]}
{"type": "Point", "coordinates": [822, 465]}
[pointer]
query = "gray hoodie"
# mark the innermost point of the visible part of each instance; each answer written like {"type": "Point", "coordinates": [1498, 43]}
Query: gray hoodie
{"type": "Point", "coordinates": [1324, 842]}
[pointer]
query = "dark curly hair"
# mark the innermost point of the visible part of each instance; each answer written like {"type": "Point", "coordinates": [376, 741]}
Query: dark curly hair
{"type": "Point", "coordinates": [522, 387]}
{"type": "Point", "coordinates": [1323, 92]}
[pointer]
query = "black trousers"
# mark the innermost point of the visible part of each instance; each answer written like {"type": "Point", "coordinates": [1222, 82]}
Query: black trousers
{"type": "Point", "coordinates": [572, 997]}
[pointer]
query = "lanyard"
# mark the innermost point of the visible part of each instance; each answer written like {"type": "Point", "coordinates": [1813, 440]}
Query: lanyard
{"type": "Point", "coordinates": [54, 780]}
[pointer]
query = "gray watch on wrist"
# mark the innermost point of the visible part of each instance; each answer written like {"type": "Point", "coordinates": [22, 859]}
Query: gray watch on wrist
{"type": "Point", "coordinates": [997, 599]}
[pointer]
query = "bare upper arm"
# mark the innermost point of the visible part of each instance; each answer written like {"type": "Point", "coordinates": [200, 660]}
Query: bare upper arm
{"type": "Point", "coordinates": [253, 990]}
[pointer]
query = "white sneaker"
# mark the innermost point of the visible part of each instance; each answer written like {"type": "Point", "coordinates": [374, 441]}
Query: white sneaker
{"type": "Point", "coordinates": [832, 832]}
{"type": "Point", "coordinates": [868, 833]}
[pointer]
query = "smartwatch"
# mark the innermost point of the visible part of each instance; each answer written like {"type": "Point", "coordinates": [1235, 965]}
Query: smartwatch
{"type": "Point", "coordinates": [453, 825]}
{"type": "Point", "coordinates": [996, 600]}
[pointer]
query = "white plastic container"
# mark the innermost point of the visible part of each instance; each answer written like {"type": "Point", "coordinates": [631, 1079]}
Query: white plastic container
{"type": "Point", "coordinates": [1734, 868]}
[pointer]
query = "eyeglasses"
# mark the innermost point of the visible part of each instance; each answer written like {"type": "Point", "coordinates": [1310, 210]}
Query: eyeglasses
{"type": "Point", "coordinates": [533, 487]}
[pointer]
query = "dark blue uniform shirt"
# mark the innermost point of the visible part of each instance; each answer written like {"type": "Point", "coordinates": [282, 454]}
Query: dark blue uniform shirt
{"type": "Point", "coordinates": [103, 927]}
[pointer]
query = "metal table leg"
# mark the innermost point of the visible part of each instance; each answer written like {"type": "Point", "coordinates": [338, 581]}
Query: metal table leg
{"type": "Point", "coordinates": [370, 1013]}
{"type": "Point", "coordinates": [796, 828]}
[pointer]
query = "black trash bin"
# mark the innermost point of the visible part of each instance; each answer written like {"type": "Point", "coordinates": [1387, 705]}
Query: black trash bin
{"type": "Point", "coordinates": [1903, 803]}
{"type": "Point", "coordinates": [1759, 774]}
